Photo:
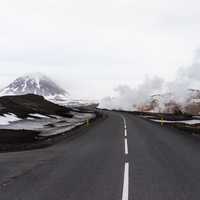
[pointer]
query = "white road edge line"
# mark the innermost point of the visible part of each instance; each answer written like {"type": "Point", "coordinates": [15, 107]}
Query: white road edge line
{"type": "Point", "coordinates": [126, 146]}
{"type": "Point", "coordinates": [126, 182]}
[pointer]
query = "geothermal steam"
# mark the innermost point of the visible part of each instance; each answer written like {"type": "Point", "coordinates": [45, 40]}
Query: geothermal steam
{"type": "Point", "coordinates": [130, 99]}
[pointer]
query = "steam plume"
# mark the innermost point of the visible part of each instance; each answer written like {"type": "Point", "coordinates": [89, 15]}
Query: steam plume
{"type": "Point", "coordinates": [177, 91]}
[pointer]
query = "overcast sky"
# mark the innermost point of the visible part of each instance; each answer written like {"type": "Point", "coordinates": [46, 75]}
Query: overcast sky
{"type": "Point", "coordinates": [91, 47]}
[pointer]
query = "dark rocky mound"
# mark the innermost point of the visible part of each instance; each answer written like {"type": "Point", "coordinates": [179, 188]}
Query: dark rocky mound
{"type": "Point", "coordinates": [23, 105]}
{"type": "Point", "coordinates": [17, 137]}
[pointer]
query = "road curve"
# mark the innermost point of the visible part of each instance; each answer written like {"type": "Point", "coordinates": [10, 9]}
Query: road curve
{"type": "Point", "coordinates": [121, 158]}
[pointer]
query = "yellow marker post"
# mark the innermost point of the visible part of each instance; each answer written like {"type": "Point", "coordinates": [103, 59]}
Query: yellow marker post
{"type": "Point", "coordinates": [162, 121]}
{"type": "Point", "coordinates": [87, 122]}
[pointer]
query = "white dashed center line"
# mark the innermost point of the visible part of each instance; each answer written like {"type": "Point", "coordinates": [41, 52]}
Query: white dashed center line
{"type": "Point", "coordinates": [126, 182]}
{"type": "Point", "coordinates": [126, 146]}
{"type": "Point", "coordinates": [125, 132]}
{"type": "Point", "coordinates": [125, 194]}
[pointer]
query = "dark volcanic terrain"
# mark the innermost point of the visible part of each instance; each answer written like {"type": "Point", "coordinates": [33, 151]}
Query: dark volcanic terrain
{"type": "Point", "coordinates": [23, 105]}
{"type": "Point", "coordinates": [36, 120]}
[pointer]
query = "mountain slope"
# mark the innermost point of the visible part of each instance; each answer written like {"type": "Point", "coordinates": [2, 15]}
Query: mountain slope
{"type": "Point", "coordinates": [41, 85]}
{"type": "Point", "coordinates": [37, 83]}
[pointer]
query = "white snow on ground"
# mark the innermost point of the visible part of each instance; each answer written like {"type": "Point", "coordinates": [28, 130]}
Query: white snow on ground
{"type": "Point", "coordinates": [82, 115]}
{"type": "Point", "coordinates": [55, 116]}
{"type": "Point", "coordinates": [59, 130]}
{"type": "Point", "coordinates": [190, 122]}
{"type": "Point", "coordinates": [35, 124]}
{"type": "Point", "coordinates": [67, 124]}
{"type": "Point", "coordinates": [30, 118]}
{"type": "Point", "coordinates": [196, 117]}
{"type": "Point", "coordinates": [38, 115]}
{"type": "Point", "coordinates": [7, 118]}
{"type": "Point", "coordinates": [148, 116]}
{"type": "Point", "coordinates": [49, 126]}
{"type": "Point", "coordinates": [66, 100]}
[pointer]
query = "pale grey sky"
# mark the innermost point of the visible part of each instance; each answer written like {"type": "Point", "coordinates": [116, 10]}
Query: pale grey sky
{"type": "Point", "coordinates": [91, 47]}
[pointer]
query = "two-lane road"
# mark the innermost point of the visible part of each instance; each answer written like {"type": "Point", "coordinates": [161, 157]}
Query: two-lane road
{"type": "Point", "coordinates": [123, 157]}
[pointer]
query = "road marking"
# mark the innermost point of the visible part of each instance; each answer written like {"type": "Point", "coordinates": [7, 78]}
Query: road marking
{"type": "Point", "coordinates": [126, 146]}
{"type": "Point", "coordinates": [125, 194]}
{"type": "Point", "coordinates": [125, 132]}
{"type": "Point", "coordinates": [124, 123]}
{"type": "Point", "coordinates": [124, 120]}
{"type": "Point", "coordinates": [126, 182]}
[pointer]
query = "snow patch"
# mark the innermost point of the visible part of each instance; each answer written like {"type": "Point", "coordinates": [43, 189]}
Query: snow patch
{"type": "Point", "coordinates": [196, 117]}
{"type": "Point", "coordinates": [60, 130]}
{"type": "Point", "coordinates": [190, 122]}
{"type": "Point", "coordinates": [25, 85]}
{"type": "Point", "coordinates": [47, 126]}
{"type": "Point", "coordinates": [7, 118]}
{"type": "Point", "coordinates": [38, 115]}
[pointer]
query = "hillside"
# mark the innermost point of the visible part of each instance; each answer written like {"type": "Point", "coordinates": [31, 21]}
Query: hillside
{"type": "Point", "coordinates": [23, 105]}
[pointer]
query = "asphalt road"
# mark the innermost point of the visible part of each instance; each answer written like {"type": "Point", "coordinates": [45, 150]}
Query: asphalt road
{"type": "Point", "coordinates": [121, 158]}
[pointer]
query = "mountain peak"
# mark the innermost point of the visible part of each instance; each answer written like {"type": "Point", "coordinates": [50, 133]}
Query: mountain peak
{"type": "Point", "coordinates": [35, 75]}
{"type": "Point", "coordinates": [34, 83]}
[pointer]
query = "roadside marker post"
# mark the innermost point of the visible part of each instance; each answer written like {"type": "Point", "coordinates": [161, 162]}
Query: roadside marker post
{"type": "Point", "coordinates": [162, 121]}
{"type": "Point", "coordinates": [87, 122]}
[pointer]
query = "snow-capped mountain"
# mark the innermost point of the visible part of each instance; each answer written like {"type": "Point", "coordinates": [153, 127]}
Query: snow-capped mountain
{"type": "Point", "coordinates": [36, 83]}
{"type": "Point", "coordinates": [40, 84]}
{"type": "Point", "coordinates": [188, 102]}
